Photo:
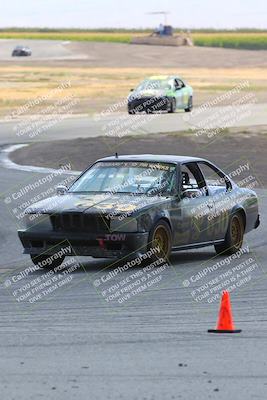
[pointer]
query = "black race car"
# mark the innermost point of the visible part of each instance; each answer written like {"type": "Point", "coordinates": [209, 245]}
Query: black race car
{"type": "Point", "coordinates": [126, 205]}
{"type": "Point", "coordinates": [21, 51]}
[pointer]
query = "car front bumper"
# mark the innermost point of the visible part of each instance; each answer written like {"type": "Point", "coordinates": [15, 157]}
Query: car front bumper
{"type": "Point", "coordinates": [111, 245]}
{"type": "Point", "coordinates": [149, 104]}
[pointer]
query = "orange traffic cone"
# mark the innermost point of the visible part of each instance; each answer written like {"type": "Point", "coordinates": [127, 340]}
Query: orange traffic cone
{"type": "Point", "coordinates": [225, 321]}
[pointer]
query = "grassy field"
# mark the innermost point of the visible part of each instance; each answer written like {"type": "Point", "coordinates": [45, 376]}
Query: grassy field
{"type": "Point", "coordinates": [97, 88]}
{"type": "Point", "coordinates": [256, 40]}
{"type": "Point", "coordinates": [80, 36]}
{"type": "Point", "coordinates": [252, 41]}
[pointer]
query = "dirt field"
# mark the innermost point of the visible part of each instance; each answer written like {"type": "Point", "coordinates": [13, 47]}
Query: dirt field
{"type": "Point", "coordinates": [102, 73]}
{"type": "Point", "coordinates": [249, 146]}
{"type": "Point", "coordinates": [98, 88]}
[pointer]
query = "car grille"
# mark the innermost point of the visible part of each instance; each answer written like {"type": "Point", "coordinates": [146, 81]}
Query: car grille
{"type": "Point", "coordinates": [78, 222]}
{"type": "Point", "coordinates": [149, 102]}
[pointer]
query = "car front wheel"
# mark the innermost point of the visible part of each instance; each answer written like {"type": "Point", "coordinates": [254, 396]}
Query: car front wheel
{"type": "Point", "coordinates": [172, 106]}
{"type": "Point", "coordinates": [160, 238]}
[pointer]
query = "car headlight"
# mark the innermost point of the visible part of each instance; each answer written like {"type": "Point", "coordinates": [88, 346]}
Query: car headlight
{"type": "Point", "coordinates": [37, 222]}
{"type": "Point", "coordinates": [123, 225]}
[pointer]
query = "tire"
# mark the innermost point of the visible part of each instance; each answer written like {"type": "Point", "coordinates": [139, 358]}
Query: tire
{"type": "Point", "coordinates": [131, 111]}
{"type": "Point", "coordinates": [234, 236]}
{"type": "Point", "coordinates": [36, 259]}
{"type": "Point", "coordinates": [161, 235]}
{"type": "Point", "coordinates": [172, 106]}
{"type": "Point", "coordinates": [190, 104]}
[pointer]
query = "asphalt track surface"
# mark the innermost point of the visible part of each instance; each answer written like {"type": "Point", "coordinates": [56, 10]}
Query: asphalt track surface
{"type": "Point", "coordinates": [41, 50]}
{"type": "Point", "coordinates": [74, 344]}
{"type": "Point", "coordinates": [108, 54]}
{"type": "Point", "coordinates": [71, 127]}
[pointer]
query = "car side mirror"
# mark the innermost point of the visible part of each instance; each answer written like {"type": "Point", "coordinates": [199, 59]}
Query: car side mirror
{"type": "Point", "coordinates": [61, 190]}
{"type": "Point", "coordinates": [192, 193]}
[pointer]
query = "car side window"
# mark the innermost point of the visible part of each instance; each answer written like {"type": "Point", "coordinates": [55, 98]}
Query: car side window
{"type": "Point", "coordinates": [176, 86]}
{"type": "Point", "coordinates": [192, 178]}
{"type": "Point", "coordinates": [179, 84]}
{"type": "Point", "coordinates": [215, 180]}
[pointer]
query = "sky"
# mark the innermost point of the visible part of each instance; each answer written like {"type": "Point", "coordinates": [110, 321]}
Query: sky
{"type": "Point", "coordinates": [133, 13]}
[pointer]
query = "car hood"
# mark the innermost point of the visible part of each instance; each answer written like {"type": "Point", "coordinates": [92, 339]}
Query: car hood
{"type": "Point", "coordinates": [95, 203]}
{"type": "Point", "coordinates": [149, 93]}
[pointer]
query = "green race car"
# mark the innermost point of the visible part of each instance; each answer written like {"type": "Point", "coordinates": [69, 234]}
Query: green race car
{"type": "Point", "coordinates": [161, 93]}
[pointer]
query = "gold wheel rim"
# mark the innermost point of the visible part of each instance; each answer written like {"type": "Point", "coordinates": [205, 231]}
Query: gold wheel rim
{"type": "Point", "coordinates": [161, 240]}
{"type": "Point", "coordinates": [236, 233]}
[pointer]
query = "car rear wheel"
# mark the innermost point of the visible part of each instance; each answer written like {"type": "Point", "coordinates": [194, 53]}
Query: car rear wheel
{"type": "Point", "coordinates": [46, 261]}
{"type": "Point", "coordinates": [190, 104]}
{"type": "Point", "coordinates": [160, 238]}
{"type": "Point", "coordinates": [172, 106]}
{"type": "Point", "coordinates": [234, 236]}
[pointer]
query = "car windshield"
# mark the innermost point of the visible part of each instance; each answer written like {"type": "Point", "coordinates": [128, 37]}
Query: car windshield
{"type": "Point", "coordinates": [155, 84]}
{"type": "Point", "coordinates": [22, 48]}
{"type": "Point", "coordinates": [128, 177]}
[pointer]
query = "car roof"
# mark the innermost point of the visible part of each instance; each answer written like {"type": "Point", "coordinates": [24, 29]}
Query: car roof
{"type": "Point", "coordinates": [153, 158]}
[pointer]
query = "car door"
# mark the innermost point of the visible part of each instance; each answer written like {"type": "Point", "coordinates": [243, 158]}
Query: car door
{"type": "Point", "coordinates": [220, 190]}
{"type": "Point", "coordinates": [191, 214]}
{"type": "Point", "coordinates": [182, 93]}
{"type": "Point", "coordinates": [178, 87]}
